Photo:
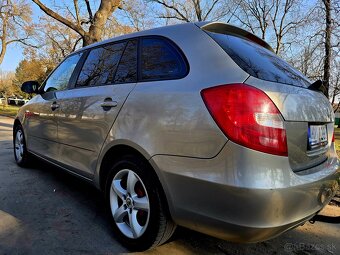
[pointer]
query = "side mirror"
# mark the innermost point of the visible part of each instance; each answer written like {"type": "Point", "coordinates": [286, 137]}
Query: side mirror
{"type": "Point", "coordinates": [30, 87]}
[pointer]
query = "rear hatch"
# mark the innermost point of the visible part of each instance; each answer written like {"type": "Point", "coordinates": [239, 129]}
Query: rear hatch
{"type": "Point", "coordinates": [307, 114]}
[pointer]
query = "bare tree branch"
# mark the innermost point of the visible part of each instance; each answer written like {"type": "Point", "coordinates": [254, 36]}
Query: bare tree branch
{"type": "Point", "coordinates": [61, 19]}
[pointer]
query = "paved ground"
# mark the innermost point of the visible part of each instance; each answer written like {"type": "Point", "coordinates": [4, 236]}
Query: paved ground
{"type": "Point", "coordinates": [46, 211]}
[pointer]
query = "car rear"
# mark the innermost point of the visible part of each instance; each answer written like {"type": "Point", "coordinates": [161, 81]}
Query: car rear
{"type": "Point", "coordinates": [279, 167]}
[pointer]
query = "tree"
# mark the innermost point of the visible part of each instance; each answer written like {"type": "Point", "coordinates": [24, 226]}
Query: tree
{"type": "Point", "coordinates": [284, 20]}
{"type": "Point", "coordinates": [55, 41]}
{"type": "Point", "coordinates": [278, 19]}
{"type": "Point", "coordinates": [33, 69]}
{"type": "Point", "coordinates": [15, 24]}
{"type": "Point", "coordinates": [6, 86]}
{"type": "Point", "coordinates": [254, 15]}
{"type": "Point", "coordinates": [193, 10]}
{"type": "Point", "coordinates": [137, 14]}
{"type": "Point", "coordinates": [328, 47]}
{"type": "Point", "coordinates": [319, 55]}
{"type": "Point", "coordinates": [90, 29]}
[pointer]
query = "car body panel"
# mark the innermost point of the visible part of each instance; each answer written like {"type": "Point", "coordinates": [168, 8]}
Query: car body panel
{"type": "Point", "coordinates": [244, 195]}
{"type": "Point", "coordinates": [296, 103]}
{"type": "Point", "coordinates": [152, 108]}
{"type": "Point", "coordinates": [300, 107]}
{"type": "Point", "coordinates": [83, 123]}
{"type": "Point", "coordinates": [211, 184]}
{"type": "Point", "coordinates": [41, 125]}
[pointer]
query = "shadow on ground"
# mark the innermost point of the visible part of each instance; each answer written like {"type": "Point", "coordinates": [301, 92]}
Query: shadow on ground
{"type": "Point", "coordinates": [44, 210]}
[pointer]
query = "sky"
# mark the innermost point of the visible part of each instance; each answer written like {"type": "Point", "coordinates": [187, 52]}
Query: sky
{"type": "Point", "coordinates": [12, 58]}
{"type": "Point", "coordinates": [14, 53]}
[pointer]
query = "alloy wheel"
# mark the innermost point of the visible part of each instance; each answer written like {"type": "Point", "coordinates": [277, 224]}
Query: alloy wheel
{"type": "Point", "coordinates": [19, 145]}
{"type": "Point", "coordinates": [129, 203]}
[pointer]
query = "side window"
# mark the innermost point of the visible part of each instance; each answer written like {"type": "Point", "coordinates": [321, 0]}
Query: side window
{"type": "Point", "coordinates": [160, 60]}
{"type": "Point", "coordinates": [100, 65]}
{"type": "Point", "coordinates": [60, 77]}
{"type": "Point", "coordinates": [127, 68]}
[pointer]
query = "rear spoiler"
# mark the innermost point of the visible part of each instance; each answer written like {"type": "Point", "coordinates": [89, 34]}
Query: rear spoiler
{"type": "Point", "coordinates": [223, 28]}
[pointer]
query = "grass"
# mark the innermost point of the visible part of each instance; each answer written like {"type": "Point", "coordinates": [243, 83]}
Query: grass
{"type": "Point", "coordinates": [337, 146]}
{"type": "Point", "coordinates": [337, 140]}
{"type": "Point", "coordinates": [9, 110]}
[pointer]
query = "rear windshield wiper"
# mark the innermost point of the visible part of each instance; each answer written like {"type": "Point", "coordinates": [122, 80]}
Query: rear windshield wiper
{"type": "Point", "coordinates": [316, 86]}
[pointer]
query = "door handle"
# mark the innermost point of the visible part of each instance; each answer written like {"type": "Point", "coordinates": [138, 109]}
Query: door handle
{"type": "Point", "coordinates": [108, 104]}
{"type": "Point", "coordinates": [54, 106]}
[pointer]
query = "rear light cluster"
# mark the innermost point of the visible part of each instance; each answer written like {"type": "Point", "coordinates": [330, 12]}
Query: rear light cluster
{"type": "Point", "coordinates": [247, 117]}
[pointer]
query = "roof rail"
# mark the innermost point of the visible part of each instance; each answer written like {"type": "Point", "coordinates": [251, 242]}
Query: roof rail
{"type": "Point", "coordinates": [223, 28]}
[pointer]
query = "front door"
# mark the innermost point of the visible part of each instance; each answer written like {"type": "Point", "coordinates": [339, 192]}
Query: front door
{"type": "Point", "coordinates": [41, 123]}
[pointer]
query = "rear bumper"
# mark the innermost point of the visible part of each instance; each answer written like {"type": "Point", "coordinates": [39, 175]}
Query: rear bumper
{"type": "Point", "coordinates": [243, 195]}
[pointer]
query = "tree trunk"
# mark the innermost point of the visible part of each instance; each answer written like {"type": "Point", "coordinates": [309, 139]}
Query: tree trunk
{"type": "Point", "coordinates": [3, 51]}
{"type": "Point", "coordinates": [327, 61]}
{"type": "Point", "coordinates": [105, 10]}
{"type": "Point", "coordinates": [88, 39]}
{"type": "Point", "coordinates": [94, 34]}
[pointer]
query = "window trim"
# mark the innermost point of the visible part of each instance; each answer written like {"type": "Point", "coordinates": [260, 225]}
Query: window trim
{"type": "Point", "coordinates": [127, 43]}
{"type": "Point", "coordinates": [172, 44]}
{"type": "Point", "coordinates": [76, 73]}
{"type": "Point", "coordinates": [85, 53]}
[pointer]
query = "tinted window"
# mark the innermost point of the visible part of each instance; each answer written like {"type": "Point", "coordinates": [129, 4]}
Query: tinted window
{"type": "Point", "coordinates": [60, 77]}
{"type": "Point", "coordinates": [259, 62]}
{"type": "Point", "coordinates": [160, 60]}
{"type": "Point", "coordinates": [127, 69]}
{"type": "Point", "coordinates": [100, 65]}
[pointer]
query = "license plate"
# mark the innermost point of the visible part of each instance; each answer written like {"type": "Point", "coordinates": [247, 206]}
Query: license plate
{"type": "Point", "coordinates": [317, 136]}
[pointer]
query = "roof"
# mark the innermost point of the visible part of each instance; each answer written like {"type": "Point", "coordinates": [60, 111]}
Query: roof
{"type": "Point", "coordinates": [217, 27]}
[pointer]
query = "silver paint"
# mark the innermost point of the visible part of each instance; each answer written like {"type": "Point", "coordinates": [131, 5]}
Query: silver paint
{"type": "Point", "coordinates": [211, 184]}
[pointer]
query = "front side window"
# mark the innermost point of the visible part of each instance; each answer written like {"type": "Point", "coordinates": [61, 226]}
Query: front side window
{"type": "Point", "coordinates": [100, 65]}
{"type": "Point", "coordinates": [160, 60]}
{"type": "Point", "coordinates": [60, 77]}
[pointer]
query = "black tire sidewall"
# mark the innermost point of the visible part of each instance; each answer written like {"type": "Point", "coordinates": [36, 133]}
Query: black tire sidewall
{"type": "Point", "coordinates": [143, 171]}
{"type": "Point", "coordinates": [23, 162]}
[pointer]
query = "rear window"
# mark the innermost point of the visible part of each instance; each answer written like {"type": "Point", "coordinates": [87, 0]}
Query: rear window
{"type": "Point", "coordinates": [258, 61]}
{"type": "Point", "coordinates": [160, 60]}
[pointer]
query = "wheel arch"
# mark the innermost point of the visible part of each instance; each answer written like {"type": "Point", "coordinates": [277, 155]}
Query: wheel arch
{"type": "Point", "coordinates": [16, 124]}
{"type": "Point", "coordinates": [114, 153]}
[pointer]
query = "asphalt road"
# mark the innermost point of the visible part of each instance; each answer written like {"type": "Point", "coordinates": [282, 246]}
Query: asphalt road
{"type": "Point", "coordinates": [46, 211]}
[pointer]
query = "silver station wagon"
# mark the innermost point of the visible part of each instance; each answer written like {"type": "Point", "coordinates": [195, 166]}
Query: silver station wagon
{"type": "Point", "coordinates": [199, 125]}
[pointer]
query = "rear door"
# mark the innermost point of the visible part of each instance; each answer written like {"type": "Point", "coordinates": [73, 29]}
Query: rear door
{"type": "Point", "coordinates": [308, 114]}
{"type": "Point", "coordinates": [88, 111]}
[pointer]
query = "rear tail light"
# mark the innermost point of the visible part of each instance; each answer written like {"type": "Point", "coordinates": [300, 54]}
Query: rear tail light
{"type": "Point", "coordinates": [333, 138]}
{"type": "Point", "coordinates": [248, 117]}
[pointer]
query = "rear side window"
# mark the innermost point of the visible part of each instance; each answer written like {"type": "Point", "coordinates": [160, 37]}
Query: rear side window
{"type": "Point", "coordinates": [127, 69]}
{"type": "Point", "coordinates": [100, 65]}
{"type": "Point", "coordinates": [258, 61]}
{"type": "Point", "coordinates": [160, 60]}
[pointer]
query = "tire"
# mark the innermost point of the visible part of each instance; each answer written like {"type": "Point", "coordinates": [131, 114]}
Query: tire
{"type": "Point", "coordinates": [133, 194]}
{"type": "Point", "coordinates": [21, 155]}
